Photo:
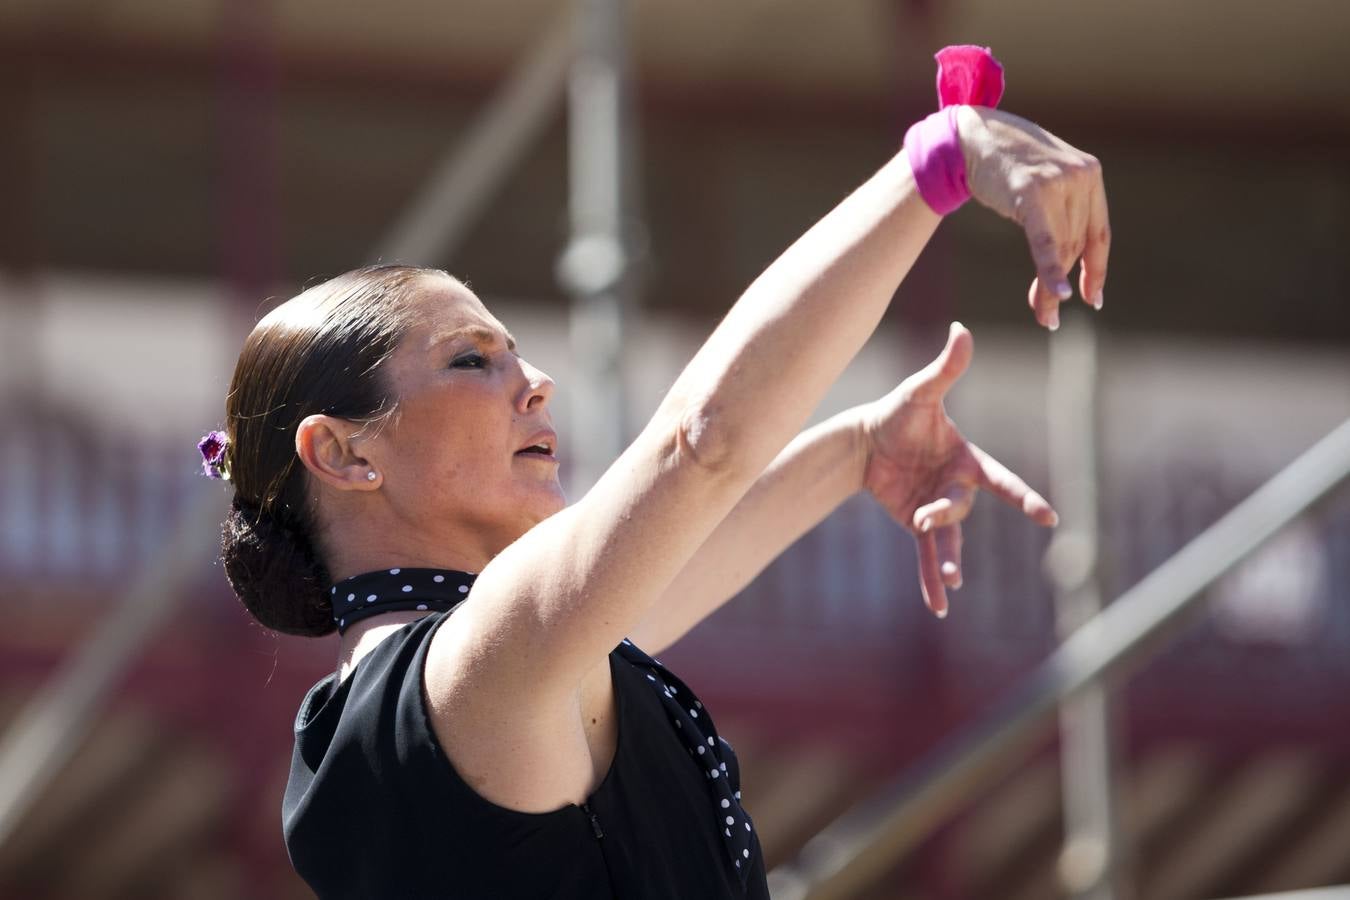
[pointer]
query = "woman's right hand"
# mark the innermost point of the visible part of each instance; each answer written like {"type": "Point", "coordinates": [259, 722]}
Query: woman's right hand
{"type": "Point", "coordinates": [1053, 190]}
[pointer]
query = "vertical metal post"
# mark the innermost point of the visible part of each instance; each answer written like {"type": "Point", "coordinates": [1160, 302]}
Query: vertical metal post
{"type": "Point", "coordinates": [595, 267]}
{"type": "Point", "coordinates": [1088, 864]}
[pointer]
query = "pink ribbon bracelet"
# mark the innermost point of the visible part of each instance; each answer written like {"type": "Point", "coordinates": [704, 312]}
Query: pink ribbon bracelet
{"type": "Point", "coordinates": [967, 75]}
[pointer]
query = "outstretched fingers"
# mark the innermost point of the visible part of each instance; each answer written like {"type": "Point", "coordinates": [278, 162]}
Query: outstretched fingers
{"type": "Point", "coordinates": [953, 506]}
{"type": "Point", "coordinates": [934, 380]}
{"type": "Point", "coordinates": [949, 555]}
{"type": "Point", "coordinates": [1001, 481]}
{"type": "Point", "coordinates": [930, 575]}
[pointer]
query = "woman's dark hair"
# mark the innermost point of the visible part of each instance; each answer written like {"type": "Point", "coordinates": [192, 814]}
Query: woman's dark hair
{"type": "Point", "coordinates": [321, 352]}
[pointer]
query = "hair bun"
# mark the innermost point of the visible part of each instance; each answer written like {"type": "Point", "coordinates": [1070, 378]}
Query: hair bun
{"type": "Point", "coordinates": [275, 572]}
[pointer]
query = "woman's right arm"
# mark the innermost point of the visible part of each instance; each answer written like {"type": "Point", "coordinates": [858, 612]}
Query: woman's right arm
{"type": "Point", "coordinates": [564, 594]}
{"type": "Point", "coordinates": [552, 605]}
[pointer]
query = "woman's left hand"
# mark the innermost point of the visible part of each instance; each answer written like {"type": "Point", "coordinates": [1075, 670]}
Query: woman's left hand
{"type": "Point", "coordinates": [926, 474]}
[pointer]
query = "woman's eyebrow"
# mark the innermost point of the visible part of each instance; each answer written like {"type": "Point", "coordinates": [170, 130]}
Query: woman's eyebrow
{"type": "Point", "coordinates": [477, 332]}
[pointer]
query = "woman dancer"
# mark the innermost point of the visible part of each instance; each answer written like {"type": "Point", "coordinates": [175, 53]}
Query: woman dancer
{"type": "Point", "coordinates": [394, 462]}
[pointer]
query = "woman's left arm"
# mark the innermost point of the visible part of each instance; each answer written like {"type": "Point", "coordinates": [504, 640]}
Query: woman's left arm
{"type": "Point", "coordinates": [821, 468]}
{"type": "Point", "coordinates": [902, 448]}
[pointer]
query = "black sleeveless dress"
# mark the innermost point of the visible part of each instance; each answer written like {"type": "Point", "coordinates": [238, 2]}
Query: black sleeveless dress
{"type": "Point", "coordinates": [374, 809]}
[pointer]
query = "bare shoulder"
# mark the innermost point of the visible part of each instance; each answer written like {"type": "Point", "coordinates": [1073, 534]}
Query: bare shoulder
{"type": "Point", "coordinates": [519, 742]}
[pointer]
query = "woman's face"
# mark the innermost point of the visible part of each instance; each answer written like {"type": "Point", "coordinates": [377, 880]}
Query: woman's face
{"type": "Point", "coordinates": [460, 452]}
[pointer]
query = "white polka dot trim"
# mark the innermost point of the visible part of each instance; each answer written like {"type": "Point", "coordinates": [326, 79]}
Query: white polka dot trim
{"type": "Point", "coordinates": [421, 606]}
{"type": "Point", "coordinates": [371, 599]}
{"type": "Point", "coordinates": [351, 597]}
{"type": "Point", "coordinates": [731, 820]}
{"type": "Point", "coordinates": [394, 571]}
{"type": "Point", "coordinates": [407, 588]}
{"type": "Point", "coordinates": [701, 751]}
{"type": "Point", "coordinates": [747, 826]}
{"type": "Point", "coordinates": [745, 853]}
{"type": "Point", "coordinates": [463, 588]}
{"type": "Point", "coordinates": [725, 803]}
{"type": "Point", "coordinates": [438, 579]}
{"type": "Point", "coordinates": [710, 743]}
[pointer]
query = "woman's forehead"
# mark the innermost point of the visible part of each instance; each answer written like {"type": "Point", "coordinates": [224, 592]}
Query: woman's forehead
{"type": "Point", "coordinates": [448, 309]}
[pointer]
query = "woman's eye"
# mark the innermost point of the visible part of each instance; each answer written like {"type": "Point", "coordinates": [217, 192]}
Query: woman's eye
{"type": "Point", "coordinates": [470, 361]}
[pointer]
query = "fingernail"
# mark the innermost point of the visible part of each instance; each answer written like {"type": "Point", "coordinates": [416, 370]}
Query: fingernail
{"type": "Point", "coordinates": [926, 525]}
{"type": "Point", "coordinates": [1097, 300]}
{"type": "Point", "coordinates": [1054, 518]}
{"type": "Point", "coordinates": [942, 613]}
{"type": "Point", "coordinates": [1063, 291]}
{"type": "Point", "coordinates": [1053, 322]}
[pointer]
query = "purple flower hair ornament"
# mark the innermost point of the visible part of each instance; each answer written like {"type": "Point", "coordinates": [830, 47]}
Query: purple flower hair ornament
{"type": "Point", "coordinates": [212, 447]}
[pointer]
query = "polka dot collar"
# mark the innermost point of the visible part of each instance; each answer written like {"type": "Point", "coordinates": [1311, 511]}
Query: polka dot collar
{"type": "Point", "coordinates": [391, 590]}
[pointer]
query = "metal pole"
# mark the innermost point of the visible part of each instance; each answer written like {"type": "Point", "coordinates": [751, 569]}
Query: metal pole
{"type": "Point", "coordinates": [595, 267]}
{"type": "Point", "coordinates": [1088, 864]}
{"type": "Point", "coordinates": [865, 842]}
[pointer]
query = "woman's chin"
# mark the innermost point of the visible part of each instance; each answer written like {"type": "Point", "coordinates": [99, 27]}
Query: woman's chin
{"type": "Point", "coordinates": [557, 502]}
{"type": "Point", "coordinates": [545, 501]}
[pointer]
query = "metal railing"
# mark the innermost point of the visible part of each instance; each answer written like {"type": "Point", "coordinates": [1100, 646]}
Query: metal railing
{"type": "Point", "coordinates": [863, 844]}
{"type": "Point", "coordinates": [1341, 892]}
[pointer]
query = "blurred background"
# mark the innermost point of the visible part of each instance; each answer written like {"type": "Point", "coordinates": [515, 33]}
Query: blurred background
{"type": "Point", "coordinates": [609, 176]}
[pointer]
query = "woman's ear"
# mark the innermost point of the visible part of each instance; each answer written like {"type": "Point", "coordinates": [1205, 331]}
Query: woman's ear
{"type": "Point", "coordinates": [324, 444]}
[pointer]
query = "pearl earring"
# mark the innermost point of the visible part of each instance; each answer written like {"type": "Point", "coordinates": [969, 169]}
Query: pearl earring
{"type": "Point", "coordinates": [370, 476]}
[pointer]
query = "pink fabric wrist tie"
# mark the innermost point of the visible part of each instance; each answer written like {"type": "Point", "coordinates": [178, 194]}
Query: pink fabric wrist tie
{"type": "Point", "coordinates": [934, 152]}
{"type": "Point", "coordinates": [966, 75]}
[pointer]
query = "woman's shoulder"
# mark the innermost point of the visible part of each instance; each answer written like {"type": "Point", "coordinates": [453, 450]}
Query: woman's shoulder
{"type": "Point", "coordinates": [380, 675]}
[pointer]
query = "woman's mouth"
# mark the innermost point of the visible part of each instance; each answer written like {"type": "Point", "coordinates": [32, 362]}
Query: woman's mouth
{"type": "Point", "coordinates": [541, 447]}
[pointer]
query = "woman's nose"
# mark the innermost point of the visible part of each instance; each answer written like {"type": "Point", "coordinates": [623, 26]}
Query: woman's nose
{"type": "Point", "coordinates": [538, 390]}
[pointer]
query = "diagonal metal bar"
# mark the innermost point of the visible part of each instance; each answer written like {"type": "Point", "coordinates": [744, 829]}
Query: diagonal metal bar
{"type": "Point", "coordinates": [864, 843]}
{"type": "Point", "coordinates": [53, 724]}
{"type": "Point", "coordinates": [1326, 893]}
{"type": "Point", "coordinates": [456, 194]}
